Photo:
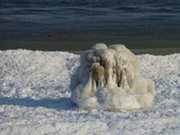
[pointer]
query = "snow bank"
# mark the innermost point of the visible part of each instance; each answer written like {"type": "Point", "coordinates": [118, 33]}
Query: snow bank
{"type": "Point", "coordinates": [48, 111]}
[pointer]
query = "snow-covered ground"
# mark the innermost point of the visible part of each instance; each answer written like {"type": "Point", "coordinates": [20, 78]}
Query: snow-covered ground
{"type": "Point", "coordinates": [34, 98]}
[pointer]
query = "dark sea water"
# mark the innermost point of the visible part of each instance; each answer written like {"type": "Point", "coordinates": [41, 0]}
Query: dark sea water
{"type": "Point", "coordinates": [77, 24]}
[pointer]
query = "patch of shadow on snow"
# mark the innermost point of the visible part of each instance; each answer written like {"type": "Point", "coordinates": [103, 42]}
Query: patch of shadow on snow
{"type": "Point", "coordinates": [59, 104]}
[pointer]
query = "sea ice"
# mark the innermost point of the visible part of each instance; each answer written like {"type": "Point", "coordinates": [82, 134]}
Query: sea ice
{"type": "Point", "coordinates": [39, 103]}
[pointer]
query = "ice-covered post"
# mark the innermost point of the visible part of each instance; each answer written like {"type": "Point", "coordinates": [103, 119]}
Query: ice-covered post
{"type": "Point", "coordinates": [109, 78]}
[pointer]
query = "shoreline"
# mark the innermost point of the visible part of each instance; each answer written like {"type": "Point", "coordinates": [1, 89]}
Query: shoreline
{"type": "Point", "coordinates": [153, 51]}
{"type": "Point", "coordinates": [79, 44]}
{"type": "Point", "coordinates": [138, 46]}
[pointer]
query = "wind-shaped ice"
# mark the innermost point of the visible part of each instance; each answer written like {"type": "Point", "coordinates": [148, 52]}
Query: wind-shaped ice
{"type": "Point", "coordinates": [108, 78]}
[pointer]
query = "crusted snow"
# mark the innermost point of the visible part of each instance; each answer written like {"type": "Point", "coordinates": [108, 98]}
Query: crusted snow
{"type": "Point", "coordinates": [35, 98]}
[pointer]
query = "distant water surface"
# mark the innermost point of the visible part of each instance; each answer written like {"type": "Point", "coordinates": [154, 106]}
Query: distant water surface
{"type": "Point", "coordinates": [77, 24]}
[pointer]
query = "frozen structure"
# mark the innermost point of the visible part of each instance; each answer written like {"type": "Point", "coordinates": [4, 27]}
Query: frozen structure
{"type": "Point", "coordinates": [109, 78]}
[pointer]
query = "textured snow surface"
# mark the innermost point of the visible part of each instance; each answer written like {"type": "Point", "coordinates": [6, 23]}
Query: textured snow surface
{"type": "Point", "coordinates": [35, 98]}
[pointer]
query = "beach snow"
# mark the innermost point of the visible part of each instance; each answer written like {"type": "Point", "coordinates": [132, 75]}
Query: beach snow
{"type": "Point", "coordinates": [35, 98]}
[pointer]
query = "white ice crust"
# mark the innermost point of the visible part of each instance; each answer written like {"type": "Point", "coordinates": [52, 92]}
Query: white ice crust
{"type": "Point", "coordinates": [35, 100]}
{"type": "Point", "coordinates": [109, 78]}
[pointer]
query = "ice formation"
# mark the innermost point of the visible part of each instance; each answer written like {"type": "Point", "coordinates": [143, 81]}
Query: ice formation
{"type": "Point", "coordinates": [109, 78]}
{"type": "Point", "coordinates": [35, 97]}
